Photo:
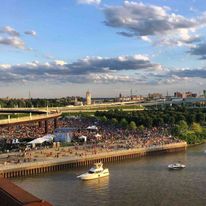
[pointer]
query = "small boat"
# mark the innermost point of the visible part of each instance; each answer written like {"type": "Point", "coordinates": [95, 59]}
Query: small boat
{"type": "Point", "coordinates": [176, 166]}
{"type": "Point", "coordinates": [97, 171]}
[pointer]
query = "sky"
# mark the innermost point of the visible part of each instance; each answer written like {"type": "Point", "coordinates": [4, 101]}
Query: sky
{"type": "Point", "coordinates": [66, 47]}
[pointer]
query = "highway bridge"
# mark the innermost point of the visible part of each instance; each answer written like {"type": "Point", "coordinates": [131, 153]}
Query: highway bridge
{"type": "Point", "coordinates": [23, 110]}
{"type": "Point", "coordinates": [35, 116]}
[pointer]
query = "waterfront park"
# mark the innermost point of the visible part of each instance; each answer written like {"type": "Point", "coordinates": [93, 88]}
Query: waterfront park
{"type": "Point", "coordinates": [110, 135]}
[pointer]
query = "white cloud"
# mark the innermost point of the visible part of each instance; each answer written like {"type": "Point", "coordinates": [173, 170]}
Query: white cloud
{"type": "Point", "coordinates": [199, 50]}
{"type": "Point", "coordinates": [60, 62]}
{"type": "Point", "coordinates": [99, 70]}
{"type": "Point", "coordinates": [10, 31]}
{"type": "Point", "coordinates": [13, 41]}
{"type": "Point", "coordinates": [89, 1]}
{"type": "Point", "coordinates": [89, 69]}
{"type": "Point", "coordinates": [10, 37]}
{"type": "Point", "coordinates": [152, 23]}
{"type": "Point", "coordinates": [146, 38]}
{"type": "Point", "coordinates": [31, 33]}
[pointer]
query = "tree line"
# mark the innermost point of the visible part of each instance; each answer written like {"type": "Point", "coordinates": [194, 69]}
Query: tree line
{"type": "Point", "coordinates": [37, 102]}
{"type": "Point", "coordinates": [185, 123]}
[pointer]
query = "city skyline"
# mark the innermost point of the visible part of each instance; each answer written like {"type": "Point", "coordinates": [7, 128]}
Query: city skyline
{"type": "Point", "coordinates": [62, 48]}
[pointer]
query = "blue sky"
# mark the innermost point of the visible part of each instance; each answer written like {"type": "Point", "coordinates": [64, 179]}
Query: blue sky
{"type": "Point", "coordinates": [62, 48]}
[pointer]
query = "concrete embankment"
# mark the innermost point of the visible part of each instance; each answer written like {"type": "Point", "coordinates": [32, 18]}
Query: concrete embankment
{"type": "Point", "coordinates": [26, 169]}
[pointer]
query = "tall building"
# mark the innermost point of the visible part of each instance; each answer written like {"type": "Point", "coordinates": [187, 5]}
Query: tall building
{"type": "Point", "coordinates": [204, 93]}
{"type": "Point", "coordinates": [88, 98]}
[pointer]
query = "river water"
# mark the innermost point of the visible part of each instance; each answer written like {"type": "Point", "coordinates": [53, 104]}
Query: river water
{"type": "Point", "coordinates": [141, 182]}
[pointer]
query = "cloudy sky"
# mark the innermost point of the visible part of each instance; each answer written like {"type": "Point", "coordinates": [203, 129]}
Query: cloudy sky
{"type": "Point", "coordinates": [65, 47]}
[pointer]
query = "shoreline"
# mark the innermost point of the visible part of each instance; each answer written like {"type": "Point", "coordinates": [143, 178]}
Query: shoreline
{"type": "Point", "coordinates": [57, 164]}
{"type": "Point", "coordinates": [196, 144]}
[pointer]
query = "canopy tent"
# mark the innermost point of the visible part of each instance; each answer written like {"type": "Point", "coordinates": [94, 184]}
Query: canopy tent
{"type": "Point", "coordinates": [15, 141]}
{"type": "Point", "coordinates": [93, 127]}
{"type": "Point", "coordinates": [46, 138]}
{"type": "Point", "coordinates": [83, 137]}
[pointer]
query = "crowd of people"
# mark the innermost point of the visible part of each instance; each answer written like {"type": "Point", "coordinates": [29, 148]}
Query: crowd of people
{"type": "Point", "coordinates": [110, 135]}
{"type": "Point", "coordinates": [22, 131]}
{"type": "Point", "coordinates": [102, 134]}
{"type": "Point", "coordinates": [101, 137]}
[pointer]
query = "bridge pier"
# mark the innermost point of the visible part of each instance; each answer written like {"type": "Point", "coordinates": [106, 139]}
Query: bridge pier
{"type": "Point", "coordinates": [55, 123]}
{"type": "Point", "coordinates": [46, 126]}
{"type": "Point", "coordinates": [40, 124]}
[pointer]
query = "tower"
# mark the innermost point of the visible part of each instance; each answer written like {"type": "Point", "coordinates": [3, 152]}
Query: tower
{"type": "Point", "coordinates": [204, 93]}
{"type": "Point", "coordinates": [88, 98]}
{"type": "Point", "coordinates": [131, 95]}
{"type": "Point", "coordinates": [29, 94]}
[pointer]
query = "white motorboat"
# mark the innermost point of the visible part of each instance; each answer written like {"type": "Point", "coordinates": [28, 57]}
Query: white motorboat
{"type": "Point", "coordinates": [97, 171]}
{"type": "Point", "coordinates": [176, 166]}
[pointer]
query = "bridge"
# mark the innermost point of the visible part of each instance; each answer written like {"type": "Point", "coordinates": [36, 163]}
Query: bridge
{"type": "Point", "coordinates": [39, 116]}
{"type": "Point", "coordinates": [23, 110]}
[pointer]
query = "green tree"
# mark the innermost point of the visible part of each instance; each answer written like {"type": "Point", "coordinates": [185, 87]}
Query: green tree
{"type": "Point", "coordinates": [182, 127]}
{"type": "Point", "coordinates": [180, 117]}
{"type": "Point", "coordinates": [200, 117]}
{"type": "Point", "coordinates": [171, 120]}
{"type": "Point", "coordinates": [190, 118]}
{"type": "Point", "coordinates": [147, 122]}
{"type": "Point", "coordinates": [197, 128]}
{"type": "Point", "coordinates": [104, 119]}
{"type": "Point", "coordinates": [158, 121]}
{"type": "Point", "coordinates": [132, 125]}
{"type": "Point", "coordinates": [141, 128]}
{"type": "Point", "coordinates": [124, 123]}
{"type": "Point", "coordinates": [114, 121]}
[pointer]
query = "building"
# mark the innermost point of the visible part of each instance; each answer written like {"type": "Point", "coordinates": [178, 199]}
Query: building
{"type": "Point", "coordinates": [63, 134]}
{"type": "Point", "coordinates": [135, 98]}
{"type": "Point", "coordinates": [77, 102]}
{"type": "Point", "coordinates": [204, 93]}
{"type": "Point", "coordinates": [178, 95]}
{"type": "Point", "coordinates": [190, 94]}
{"type": "Point", "coordinates": [88, 98]}
{"type": "Point", "coordinates": [155, 96]}
{"type": "Point", "coordinates": [185, 95]}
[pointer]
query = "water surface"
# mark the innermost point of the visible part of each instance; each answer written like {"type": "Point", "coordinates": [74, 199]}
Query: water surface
{"type": "Point", "coordinates": [142, 182]}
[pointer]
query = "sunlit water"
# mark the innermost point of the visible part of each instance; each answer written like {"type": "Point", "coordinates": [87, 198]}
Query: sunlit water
{"type": "Point", "coordinates": [145, 181]}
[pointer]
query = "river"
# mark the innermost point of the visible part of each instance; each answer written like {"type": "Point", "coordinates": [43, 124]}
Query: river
{"type": "Point", "coordinates": [145, 181]}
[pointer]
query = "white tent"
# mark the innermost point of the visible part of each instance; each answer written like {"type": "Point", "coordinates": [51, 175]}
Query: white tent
{"type": "Point", "coordinates": [15, 141]}
{"type": "Point", "coordinates": [93, 127]}
{"type": "Point", "coordinates": [83, 137]}
{"type": "Point", "coordinates": [46, 138]}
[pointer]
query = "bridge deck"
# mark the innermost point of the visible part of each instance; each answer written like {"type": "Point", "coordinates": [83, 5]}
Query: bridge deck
{"type": "Point", "coordinates": [7, 122]}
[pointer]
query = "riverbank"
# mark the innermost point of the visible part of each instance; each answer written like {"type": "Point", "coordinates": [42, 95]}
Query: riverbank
{"type": "Point", "coordinates": [69, 161]}
{"type": "Point", "coordinates": [193, 145]}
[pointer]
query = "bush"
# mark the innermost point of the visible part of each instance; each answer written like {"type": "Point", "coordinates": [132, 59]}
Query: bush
{"type": "Point", "coordinates": [114, 121]}
{"type": "Point", "coordinates": [197, 128]}
{"type": "Point", "coordinates": [132, 125]}
{"type": "Point", "coordinates": [124, 123]}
